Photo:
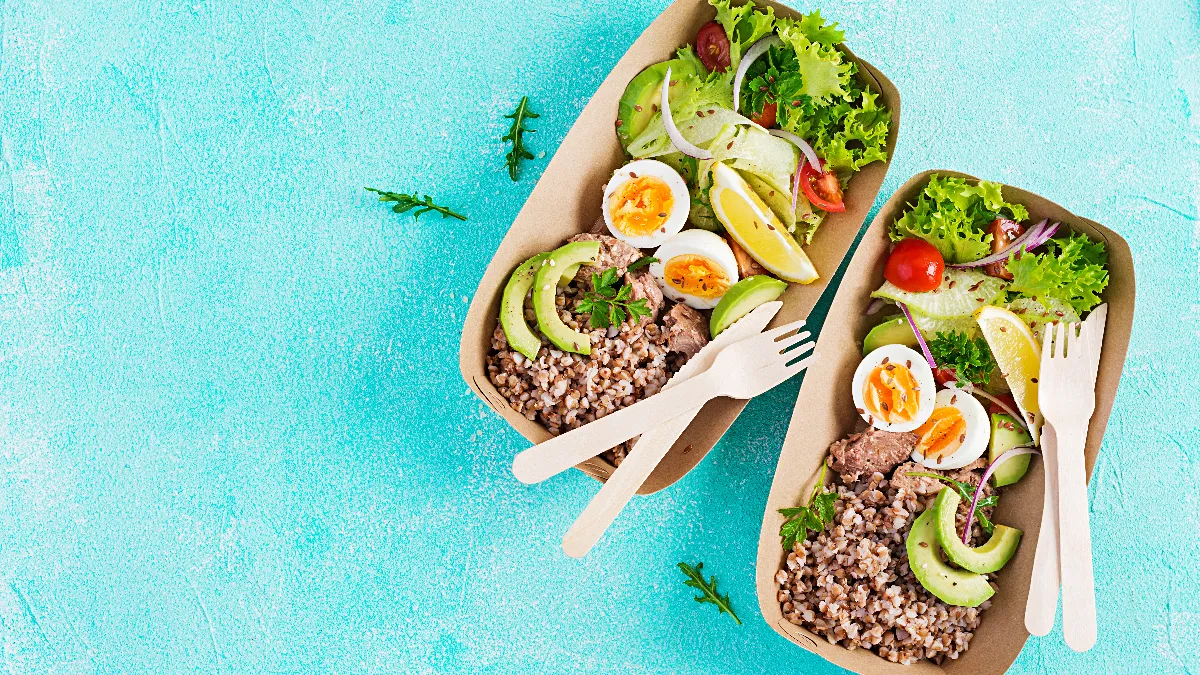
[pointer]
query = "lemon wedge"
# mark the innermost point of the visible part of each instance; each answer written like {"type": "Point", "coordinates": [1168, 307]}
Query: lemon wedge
{"type": "Point", "coordinates": [1019, 357]}
{"type": "Point", "coordinates": [756, 228]}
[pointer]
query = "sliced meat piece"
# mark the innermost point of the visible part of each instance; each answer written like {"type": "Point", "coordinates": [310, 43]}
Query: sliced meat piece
{"type": "Point", "coordinates": [687, 330]}
{"type": "Point", "coordinates": [613, 253]}
{"type": "Point", "coordinates": [873, 450]}
{"type": "Point", "coordinates": [598, 227]}
{"type": "Point", "coordinates": [747, 266]}
{"type": "Point", "coordinates": [644, 286]}
{"type": "Point", "coordinates": [923, 486]}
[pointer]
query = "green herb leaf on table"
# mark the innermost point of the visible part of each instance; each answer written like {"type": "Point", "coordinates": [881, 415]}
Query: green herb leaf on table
{"type": "Point", "coordinates": [708, 590]}
{"type": "Point", "coordinates": [404, 203]}
{"type": "Point", "coordinates": [815, 517]}
{"type": "Point", "coordinates": [1070, 270]}
{"type": "Point", "coordinates": [608, 304]}
{"type": "Point", "coordinates": [971, 360]}
{"type": "Point", "coordinates": [516, 136]}
{"type": "Point", "coordinates": [966, 492]}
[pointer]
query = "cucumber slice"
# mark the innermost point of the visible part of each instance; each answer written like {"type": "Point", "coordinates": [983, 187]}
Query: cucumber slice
{"type": "Point", "coordinates": [961, 293]}
{"type": "Point", "coordinates": [1038, 315]}
{"type": "Point", "coordinates": [931, 326]}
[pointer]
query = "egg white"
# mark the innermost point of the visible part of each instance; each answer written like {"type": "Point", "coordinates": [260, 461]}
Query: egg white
{"type": "Point", "coordinates": [694, 242]}
{"type": "Point", "coordinates": [921, 372]}
{"type": "Point", "coordinates": [979, 431]}
{"type": "Point", "coordinates": [676, 219]}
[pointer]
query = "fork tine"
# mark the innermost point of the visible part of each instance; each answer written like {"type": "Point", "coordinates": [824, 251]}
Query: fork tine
{"type": "Point", "coordinates": [1078, 348]}
{"type": "Point", "coordinates": [798, 365]}
{"type": "Point", "coordinates": [1047, 343]}
{"type": "Point", "coordinates": [1060, 340]}
{"type": "Point", "coordinates": [776, 334]}
{"type": "Point", "coordinates": [794, 340]}
{"type": "Point", "coordinates": [798, 349]}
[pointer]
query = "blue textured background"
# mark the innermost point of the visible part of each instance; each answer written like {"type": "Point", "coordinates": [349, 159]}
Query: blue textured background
{"type": "Point", "coordinates": [234, 438]}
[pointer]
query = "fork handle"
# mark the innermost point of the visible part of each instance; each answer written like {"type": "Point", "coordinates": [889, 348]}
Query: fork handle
{"type": "Point", "coordinates": [552, 457]}
{"type": "Point", "coordinates": [1044, 583]}
{"type": "Point", "coordinates": [623, 484]}
{"type": "Point", "coordinates": [1075, 541]}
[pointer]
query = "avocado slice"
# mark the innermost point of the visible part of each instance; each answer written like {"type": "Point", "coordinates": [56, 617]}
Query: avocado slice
{"type": "Point", "coordinates": [891, 332]}
{"type": "Point", "coordinates": [987, 558]}
{"type": "Point", "coordinates": [512, 307]}
{"type": "Point", "coordinates": [639, 103]}
{"type": "Point", "coordinates": [741, 298]}
{"type": "Point", "coordinates": [779, 201]}
{"type": "Point", "coordinates": [545, 287]}
{"type": "Point", "coordinates": [952, 586]}
{"type": "Point", "coordinates": [1006, 435]}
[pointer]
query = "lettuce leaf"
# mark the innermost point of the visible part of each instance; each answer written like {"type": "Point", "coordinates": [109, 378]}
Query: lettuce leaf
{"type": "Point", "coordinates": [1070, 270]}
{"type": "Point", "coordinates": [743, 26]}
{"type": "Point", "coordinates": [953, 215]}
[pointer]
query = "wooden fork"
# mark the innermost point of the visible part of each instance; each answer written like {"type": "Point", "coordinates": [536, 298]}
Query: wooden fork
{"type": "Point", "coordinates": [1067, 398]}
{"type": "Point", "coordinates": [743, 369]}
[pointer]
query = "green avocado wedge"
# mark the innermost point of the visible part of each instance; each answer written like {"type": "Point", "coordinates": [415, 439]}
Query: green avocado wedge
{"type": "Point", "coordinates": [983, 560]}
{"type": "Point", "coordinates": [743, 297]}
{"type": "Point", "coordinates": [512, 307]}
{"type": "Point", "coordinates": [952, 586]}
{"type": "Point", "coordinates": [891, 332]}
{"type": "Point", "coordinates": [639, 103]}
{"type": "Point", "coordinates": [545, 287]}
{"type": "Point", "coordinates": [1006, 435]}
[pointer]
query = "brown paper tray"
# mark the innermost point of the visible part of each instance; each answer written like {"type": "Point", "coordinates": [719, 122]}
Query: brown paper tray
{"type": "Point", "coordinates": [567, 200]}
{"type": "Point", "coordinates": [825, 412]}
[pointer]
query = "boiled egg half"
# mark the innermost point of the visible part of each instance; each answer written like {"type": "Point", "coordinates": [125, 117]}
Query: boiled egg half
{"type": "Point", "coordinates": [955, 435]}
{"type": "Point", "coordinates": [695, 267]}
{"type": "Point", "coordinates": [646, 202]}
{"type": "Point", "coordinates": [893, 389]}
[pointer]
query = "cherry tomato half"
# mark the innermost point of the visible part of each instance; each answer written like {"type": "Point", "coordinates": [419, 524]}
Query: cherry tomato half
{"type": "Point", "coordinates": [712, 46]}
{"type": "Point", "coordinates": [822, 189]}
{"type": "Point", "coordinates": [915, 266]}
{"type": "Point", "coordinates": [944, 376]}
{"type": "Point", "coordinates": [1003, 232]}
{"type": "Point", "coordinates": [1008, 400]}
{"type": "Point", "coordinates": [767, 118]}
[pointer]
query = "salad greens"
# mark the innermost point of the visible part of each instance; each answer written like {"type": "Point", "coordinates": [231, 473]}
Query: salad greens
{"type": "Point", "coordinates": [953, 215]}
{"type": "Point", "coordinates": [970, 359]}
{"type": "Point", "coordinates": [609, 305]}
{"type": "Point", "coordinates": [1069, 270]}
{"type": "Point", "coordinates": [404, 202]}
{"type": "Point", "coordinates": [708, 590]}
{"type": "Point", "coordinates": [816, 516]}
{"type": "Point", "coordinates": [966, 491]}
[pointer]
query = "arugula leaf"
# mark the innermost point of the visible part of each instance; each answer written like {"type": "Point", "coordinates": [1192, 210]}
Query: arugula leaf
{"type": "Point", "coordinates": [404, 203]}
{"type": "Point", "coordinates": [966, 492]}
{"type": "Point", "coordinates": [1070, 270]}
{"type": "Point", "coordinates": [516, 135]}
{"type": "Point", "coordinates": [953, 215]}
{"type": "Point", "coordinates": [708, 590]}
{"type": "Point", "coordinates": [971, 360]}
{"type": "Point", "coordinates": [816, 516]}
{"type": "Point", "coordinates": [609, 305]}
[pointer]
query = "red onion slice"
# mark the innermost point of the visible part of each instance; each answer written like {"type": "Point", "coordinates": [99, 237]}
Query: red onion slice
{"type": "Point", "coordinates": [756, 50]}
{"type": "Point", "coordinates": [1031, 239]}
{"type": "Point", "coordinates": [1015, 452]}
{"type": "Point", "coordinates": [875, 305]}
{"type": "Point", "coordinates": [809, 153]}
{"type": "Point", "coordinates": [920, 338]}
{"type": "Point", "coordinates": [681, 144]}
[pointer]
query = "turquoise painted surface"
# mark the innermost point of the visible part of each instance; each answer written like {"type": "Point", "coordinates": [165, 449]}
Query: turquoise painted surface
{"type": "Point", "coordinates": [233, 437]}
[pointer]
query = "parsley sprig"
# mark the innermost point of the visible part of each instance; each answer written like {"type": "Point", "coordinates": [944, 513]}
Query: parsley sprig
{"type": "Point", "coordinates": [516, 135]}
{"type": "Point", "coordinates": [407, 202]}
{"type": "Point", "coordinates": [708, 590]}
{"type": "Point", "coordinates": [818, 514]}
{"type": "Point", "coordinates": [610, 305]}
{"type": "Point", "coordinates": [971, 360]}
{"type": "Point", "coordinates": [967, 492]}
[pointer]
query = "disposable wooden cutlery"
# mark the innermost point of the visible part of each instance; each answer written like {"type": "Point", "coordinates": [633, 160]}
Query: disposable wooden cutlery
{"type": "Point", "coordinates": [655, 443]}
{"type": "Point", "coordinates": [1067, 398]}
{"type": "Point", "coordinates": [742, 370]}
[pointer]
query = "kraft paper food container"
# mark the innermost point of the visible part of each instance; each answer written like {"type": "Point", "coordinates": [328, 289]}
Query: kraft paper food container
{"type": "Point", "coordinates": [567, 200]}
{"type": "Point", "coordinates": [825, 413]}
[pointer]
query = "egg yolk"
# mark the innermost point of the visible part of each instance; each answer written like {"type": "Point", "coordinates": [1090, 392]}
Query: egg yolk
{"type": "Point", "coordinates": [641, 206]}
{"type": "Point", "coordinates": [696, 275]}
{"type": "Point", "coordinates": [942, 434]}
{"type": "Point", "coordinates": [892, 393]}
